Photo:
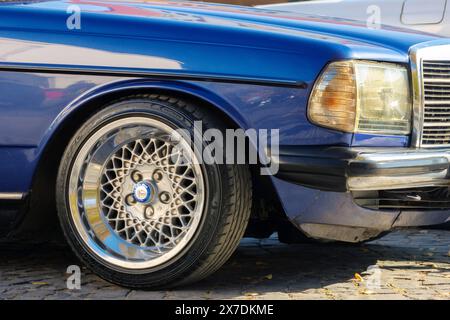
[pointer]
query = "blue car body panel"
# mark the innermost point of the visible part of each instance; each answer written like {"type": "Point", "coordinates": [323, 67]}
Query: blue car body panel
{"type": "Point", "coordinates": [257, 66]}
{"type": "Point", "coordinates": [250, 106]}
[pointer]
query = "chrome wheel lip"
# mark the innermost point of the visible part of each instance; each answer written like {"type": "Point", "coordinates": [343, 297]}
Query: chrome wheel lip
{"type": "Point", "coordinates": [135, 258]}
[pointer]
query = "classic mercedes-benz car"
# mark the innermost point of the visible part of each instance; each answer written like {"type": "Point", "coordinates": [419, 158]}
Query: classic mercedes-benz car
{"type": "Point", "coordinates": [93, 92]}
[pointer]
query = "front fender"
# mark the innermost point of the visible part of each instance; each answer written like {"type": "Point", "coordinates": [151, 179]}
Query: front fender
{"type": "Point", "coordinates": [129, 86]}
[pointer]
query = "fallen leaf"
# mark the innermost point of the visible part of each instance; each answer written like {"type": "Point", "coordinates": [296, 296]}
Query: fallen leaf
{"type": "Point", "coordinates": [396, 289]}
{"type": "Point", "coordinates": [251, 294]}
{"type": "Point", "coordinates": [39, 283]}
{"type": "Point", "coordinates": [268, 277]}
{"type": "Point", "coordinates": [358, 277]}
{"type": "Point", "coordinates": [364, 292]}
{"type": "Point", "coordinates": [329, 293]}
{"type": "Point", "coordinates": [429, 264]}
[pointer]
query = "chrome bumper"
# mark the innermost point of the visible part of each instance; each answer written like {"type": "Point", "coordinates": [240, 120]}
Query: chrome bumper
{"type": "Point", "coordinates": [342, 169]}
{"type": "Point", "coordinates": [399, 169]}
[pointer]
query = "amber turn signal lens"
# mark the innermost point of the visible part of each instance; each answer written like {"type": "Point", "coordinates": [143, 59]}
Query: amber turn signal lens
{"type": "Point", "coordinates": [333, 100]}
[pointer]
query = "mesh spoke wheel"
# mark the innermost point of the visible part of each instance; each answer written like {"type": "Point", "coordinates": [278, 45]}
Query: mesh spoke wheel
{"type": "Point", "coordinates": [136, 193]}
{"type": "Point", "coordinates": [137, 206]}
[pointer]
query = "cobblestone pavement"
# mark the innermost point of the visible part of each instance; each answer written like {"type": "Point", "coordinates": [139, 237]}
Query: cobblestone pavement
{"type": "Point", "coordinates": [412, 264]}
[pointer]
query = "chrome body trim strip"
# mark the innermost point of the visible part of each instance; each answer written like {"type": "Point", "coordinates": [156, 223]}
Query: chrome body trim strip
{"type": "Point", "coordinates": [143, 73]}
{"type": "Point", "coordinates": [433, 179]}
{"type": "Point", "coordinates": [11, 196]}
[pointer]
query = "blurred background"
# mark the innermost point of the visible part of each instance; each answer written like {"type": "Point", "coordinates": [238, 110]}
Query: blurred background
{"type": "Point", "coordinates": [252, 2]}
{"type": "Point", "coordinates": [430, 16]}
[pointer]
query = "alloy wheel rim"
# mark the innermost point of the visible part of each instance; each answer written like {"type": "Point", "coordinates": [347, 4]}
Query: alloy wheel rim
{"type": "Point", "coordinates": [136, 193]}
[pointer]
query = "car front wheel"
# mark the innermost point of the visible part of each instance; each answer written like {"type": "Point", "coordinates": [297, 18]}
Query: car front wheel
{"type": "Point", "coordinates": [135, 210]}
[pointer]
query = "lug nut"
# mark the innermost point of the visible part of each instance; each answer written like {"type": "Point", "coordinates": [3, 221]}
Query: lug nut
{"type": "Point", "coordinates": [130, 200]}
{"type": "Point", "coordinates": [136, 176]}
{"type": "Point", "coordinates": [148, 214]}
{"type": "Point", "coordinates": [164, 197]}
{"type": "Point", "coordinates": [157, 176]}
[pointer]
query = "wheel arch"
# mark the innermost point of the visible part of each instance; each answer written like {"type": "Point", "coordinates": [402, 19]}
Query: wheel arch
{"type": "Point", "coordinates": [41, 201]}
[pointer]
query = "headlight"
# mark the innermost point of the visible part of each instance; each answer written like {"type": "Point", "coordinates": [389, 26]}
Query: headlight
{"type": "Point", "coordinates": [361, 96]}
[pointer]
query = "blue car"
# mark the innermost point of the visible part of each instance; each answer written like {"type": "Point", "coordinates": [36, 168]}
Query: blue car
{"type": "Point", "coordinates": [113, 115]}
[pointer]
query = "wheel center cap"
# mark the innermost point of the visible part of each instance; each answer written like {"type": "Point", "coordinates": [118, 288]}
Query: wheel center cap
{"type": "Point", "coordinates": [143, 192]}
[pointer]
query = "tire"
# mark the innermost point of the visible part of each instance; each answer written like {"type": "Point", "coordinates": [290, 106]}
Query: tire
{"type": "Point", "coordinates": [149, 224]}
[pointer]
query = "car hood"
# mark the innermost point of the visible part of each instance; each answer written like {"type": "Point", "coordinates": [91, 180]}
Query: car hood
{"type": "Point", "coordinates": [193, 38]}
{"type": "Point", "coordinates": [219, 17]}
